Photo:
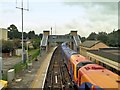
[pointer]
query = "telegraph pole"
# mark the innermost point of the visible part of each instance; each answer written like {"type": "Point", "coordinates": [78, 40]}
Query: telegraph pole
{"type": "Point", "coordinates": [22, 27]}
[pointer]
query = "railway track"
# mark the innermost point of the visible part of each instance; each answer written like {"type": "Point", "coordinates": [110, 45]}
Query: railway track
{"type": "Point", "coordinates": [57, 75]}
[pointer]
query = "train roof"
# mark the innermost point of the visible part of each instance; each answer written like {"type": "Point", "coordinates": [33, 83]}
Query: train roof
{"type": "Point", "coordinates": [77, 58]}
{"type": "Point", "coordinates": [100, 76]}
{"type": "Point", "coordinates": [65, 48]}
{"type": "Point", "coordinates": [69, 53]}
{"type": "Point", "coordinates": [63, 44]}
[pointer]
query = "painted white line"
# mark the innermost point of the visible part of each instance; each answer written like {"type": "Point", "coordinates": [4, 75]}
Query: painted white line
{"type": "Point", "coordinates": [55, 79]}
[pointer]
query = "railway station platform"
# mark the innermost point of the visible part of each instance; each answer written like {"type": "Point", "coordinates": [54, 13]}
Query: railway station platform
{"type": "Point", "coordinates": [39, 79]}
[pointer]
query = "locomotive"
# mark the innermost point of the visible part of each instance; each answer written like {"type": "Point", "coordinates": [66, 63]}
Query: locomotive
{"type": "Point", "coordinates": [86, 74]}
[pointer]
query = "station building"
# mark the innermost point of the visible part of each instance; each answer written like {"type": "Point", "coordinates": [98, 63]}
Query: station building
{"type": "Point", "coordinates": [106, 57]}
{"type": "Point", "coordinates": [101, 54]}
{"type": "Point", "coordinates": [3, 34]}
{"type": "Point", "coordinates": [91, 45]}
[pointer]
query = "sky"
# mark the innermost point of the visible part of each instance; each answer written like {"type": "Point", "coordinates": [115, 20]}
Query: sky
{"type": "Point", "coordinates": [85, 16]}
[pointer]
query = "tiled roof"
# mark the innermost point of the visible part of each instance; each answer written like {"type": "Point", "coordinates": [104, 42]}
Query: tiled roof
{"type": "Point", "coordinates": [89, 43]}
{"type": "Point", "coordinates": [112, 54]}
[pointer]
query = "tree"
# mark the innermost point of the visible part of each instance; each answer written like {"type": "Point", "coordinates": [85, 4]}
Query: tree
{"type": "Point", "coordinates": [17, 43]}
{"type": "Point", "coordinates": [102, 36]}
{"type": "Point", "coordinates": [13, 33]}
{"type": "Point", "coordinates": [113, 38]}
{"type": "Point", "coordinates": [40, 36]}
{"type": "Point", "coordinates": [7, 46]}
{"type": "Point", "coordinates": [31, 34]}
{"type": "Point", "coordinates": [12, 27]}
{"type": "Point", "coordinates": [83, 39]}
{"type": "Point", "coordinates": [36, 43]}
{"type": "Point", "coordinates": [92, 36]}
{"type": "Point", "coordinates": [25, 35]}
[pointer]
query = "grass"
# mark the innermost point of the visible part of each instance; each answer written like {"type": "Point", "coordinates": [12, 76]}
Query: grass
{"type": "Point", "coordinates": [20, 66]}
{"type": "Point", "coordinates": [34, 54]}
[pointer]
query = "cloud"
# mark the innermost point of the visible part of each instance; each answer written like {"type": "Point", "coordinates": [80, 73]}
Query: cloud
{"type": "Point", "coordinates": [105, 7]}
{"type": "Point", "coordinates": [102, 16]}
{"type": "Point", "coordinates": [91, 0]}
{"type": "Point", "coordinates": [86, 17]}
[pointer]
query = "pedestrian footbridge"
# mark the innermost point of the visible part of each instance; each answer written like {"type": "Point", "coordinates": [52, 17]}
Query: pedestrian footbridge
{"type": "Point", "coordinates": [72, 38]}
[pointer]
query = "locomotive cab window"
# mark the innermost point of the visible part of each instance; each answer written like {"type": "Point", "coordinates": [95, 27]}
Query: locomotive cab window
{"type": "Point", "coordinates": [79, 65]}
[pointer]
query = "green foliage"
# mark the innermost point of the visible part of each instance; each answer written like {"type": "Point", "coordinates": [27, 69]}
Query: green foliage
{"type": "Point", "coordinates": [12, 27]}
{"type": "Point", "coordinates": [17, 43]}
{"type": "Point", "coordinates": [35, 54]}
{"type": "Point", "coordinates": [20, 66]}
{"type": "Point", "coordinates": [111, 39]}
{"type": "Point", "coordinates": [83, 39]}
{"type": "Point", "coordinates": [36, 43]}
{"type": "Point", "coordinates": [92, 36]}
{"type": "Point", "coordinates": [40, 36]}
{"type": "Point", "coordinates": [31, 34]}
{"type": "Point", "coordinates": [102, 36]}
{"type": "Point", "coordinates": [7, 46]}
{"type": "Point", "coordinates": [25, 35]}
{"type": "Point", "coordinates": [4, 76]}
{"type": "Point", "coordinates": [13, 33]}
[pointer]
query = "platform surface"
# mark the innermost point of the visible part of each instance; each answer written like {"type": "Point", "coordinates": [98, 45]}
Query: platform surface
{"type": "Point", "coordinates": [39, 80]}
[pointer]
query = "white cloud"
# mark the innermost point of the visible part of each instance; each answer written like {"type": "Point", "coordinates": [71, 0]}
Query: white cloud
{"type": "Point", "coordinates": [98, 17]}
{"type": "Point", "coordinates": [85, 17]}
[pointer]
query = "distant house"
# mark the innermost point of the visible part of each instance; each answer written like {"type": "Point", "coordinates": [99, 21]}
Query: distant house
{"type": "Point", "coordinates": [3, 34]}
{"type": "Point", "coordinates": [91, 45]}
{"type": "Point", "coordinates": [29, 44]}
